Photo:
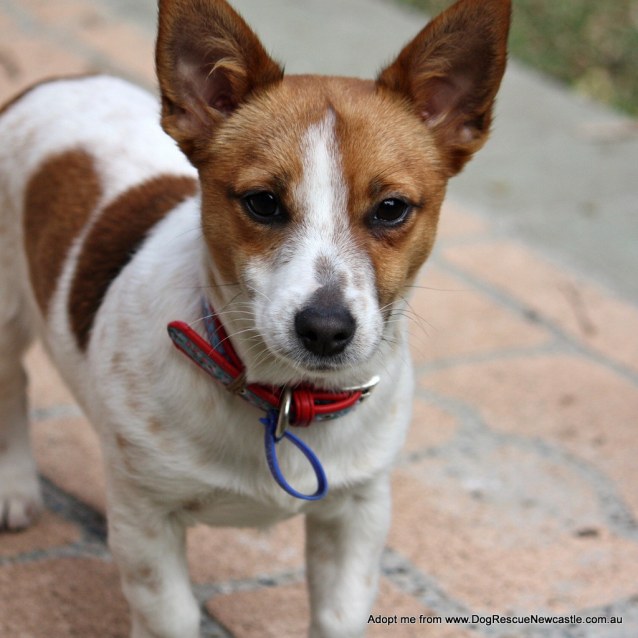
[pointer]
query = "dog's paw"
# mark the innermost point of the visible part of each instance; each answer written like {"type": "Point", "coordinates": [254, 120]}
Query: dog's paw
{"type": "Point", "coordinates": [20, 499]}
{"type": "Point", "coordinates": [19, 511]}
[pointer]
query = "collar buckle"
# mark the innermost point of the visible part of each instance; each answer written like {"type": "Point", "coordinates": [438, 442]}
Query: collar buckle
{"type": "Point", "coordinates": [286, 401]}
{"type": "Point", "coordinates": [366, 388]}
{"type": "Point", "coordinates": [283, 419]}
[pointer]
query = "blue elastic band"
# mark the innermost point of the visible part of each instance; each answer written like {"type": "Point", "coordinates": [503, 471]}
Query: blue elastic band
{"type": "Point", "coordinates": [270, 421]}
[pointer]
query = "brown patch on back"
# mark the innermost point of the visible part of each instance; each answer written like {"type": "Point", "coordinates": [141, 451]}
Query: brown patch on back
{"type": "Point", "coordinates": [114, 239]}
{"type": "Point", "coordinates": [59, 199]}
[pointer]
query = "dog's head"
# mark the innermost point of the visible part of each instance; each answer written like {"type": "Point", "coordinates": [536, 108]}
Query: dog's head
{"type": "Point", "coordinates": [321, 196]}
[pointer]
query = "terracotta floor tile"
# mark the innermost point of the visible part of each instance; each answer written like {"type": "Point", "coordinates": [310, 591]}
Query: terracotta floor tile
{"type": "Point", "coordinates": [283, 612]}
{"type": "Point", "coordinates": [512, 496]}
{"type": "Point", "coordinates": [69, 15]}
{"type": "Point", "coordinates": [5, 21]}
{"type": "Point", "coordinates": [68, 453]}
{"type": "Point", "coordinates": [271, 612]}
{"type": "Point", "coordinates": [456, 222]}
{"type": "Point", "coordinates": [585, 408]}
{"type": "Point", "coordinates": [125, 45]}
{"type": "Point", "coordinates": [46, 389]}
{"type": "Point", "coordinates": [450, 319]}
{"type": "Point", "coordinates": [65, 598]}
{"type": "Point", "coordinates": [431, 426]}
{"type": "Point", "coordinates": [221, 554]}
{"type": "Point", "coordinates": [49, 531]}
{"type": "Point", "coordinates": [31, 60]}
{"type": "Point", "coordinates": [602, 322]}
{"type": "Point", "coordinates": [483, 557]}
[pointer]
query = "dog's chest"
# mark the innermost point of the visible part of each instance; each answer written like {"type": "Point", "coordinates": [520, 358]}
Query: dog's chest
{"type": "Point", "coordinates": [208, 461]}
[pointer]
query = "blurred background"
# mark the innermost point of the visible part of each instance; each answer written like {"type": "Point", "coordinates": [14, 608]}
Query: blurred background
{"type": "Point", "coordinates": [590, 45]}
{"type": "Point", "coordinates": [516, 492]}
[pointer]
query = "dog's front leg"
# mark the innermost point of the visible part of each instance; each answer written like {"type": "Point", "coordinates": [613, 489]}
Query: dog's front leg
{"type": "Point", "coordinates": [343, 552]}
{"type": "Point", "coordinates": [149, 548]}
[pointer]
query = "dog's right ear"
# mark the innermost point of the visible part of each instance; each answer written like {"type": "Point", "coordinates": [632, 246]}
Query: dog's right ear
{"type": "Point", "coordinates": [450, 74]}
{"type": "Point", "coordinates": [208, 62]}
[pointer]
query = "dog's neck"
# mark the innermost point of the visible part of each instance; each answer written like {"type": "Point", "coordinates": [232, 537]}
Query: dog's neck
{"type": "Point", "coordinates": [296, 404]}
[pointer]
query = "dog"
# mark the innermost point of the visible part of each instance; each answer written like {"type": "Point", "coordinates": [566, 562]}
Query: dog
{"type": "Point", "coordinates": [208, 289]}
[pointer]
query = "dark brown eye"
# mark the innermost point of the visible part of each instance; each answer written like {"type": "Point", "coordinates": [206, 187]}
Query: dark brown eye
{"type": "Point", "coordinates": [391, 212]}
{"type": "Point", "coordinates": [263, 207]}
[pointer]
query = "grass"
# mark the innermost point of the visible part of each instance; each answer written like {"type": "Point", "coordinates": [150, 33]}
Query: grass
{"type": "Point", "coordinates": [591, 45]}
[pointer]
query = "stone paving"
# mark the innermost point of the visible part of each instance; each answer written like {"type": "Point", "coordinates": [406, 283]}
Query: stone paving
{"type": "Point", "coordinates": [517, 491]}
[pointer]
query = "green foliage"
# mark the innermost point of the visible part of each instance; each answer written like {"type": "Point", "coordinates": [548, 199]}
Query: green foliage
{"type": "Point", "coordinates": [592, 45]}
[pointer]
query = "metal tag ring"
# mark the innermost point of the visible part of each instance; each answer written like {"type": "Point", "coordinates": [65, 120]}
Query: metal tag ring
{"type": "Point", "coordinates": [283, 420]}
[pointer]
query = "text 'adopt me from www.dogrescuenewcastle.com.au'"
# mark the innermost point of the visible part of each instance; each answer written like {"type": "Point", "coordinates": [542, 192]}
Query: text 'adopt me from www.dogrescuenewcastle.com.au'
{"type": "Point", "coordinates": [494, 619]}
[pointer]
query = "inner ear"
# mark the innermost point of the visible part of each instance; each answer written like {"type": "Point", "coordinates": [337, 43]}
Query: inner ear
{"type": "Point", "coordinates": [219, 83]}
{"type": "Point", "coordinates": [208, 63]}
{"type": "Point", "coordinates": [441, 96]}
{"type": "Point", "coordinates": [450, 73]}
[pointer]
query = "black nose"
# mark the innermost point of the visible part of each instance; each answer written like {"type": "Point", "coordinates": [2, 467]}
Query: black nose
{"type": "Point", "coordinates": [324, 330]}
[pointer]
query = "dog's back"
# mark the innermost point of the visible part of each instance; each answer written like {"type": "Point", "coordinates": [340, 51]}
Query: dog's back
{"type": "Point", "coordinates": [62, 174]}
{"type": "Point", "coordinates": [73, 197]}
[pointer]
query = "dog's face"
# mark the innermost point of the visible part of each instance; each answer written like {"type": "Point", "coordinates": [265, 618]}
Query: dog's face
{"type": "Point", "coordinates": [307, 203]}
{"type": "Point", "coordinates": [320, 196]}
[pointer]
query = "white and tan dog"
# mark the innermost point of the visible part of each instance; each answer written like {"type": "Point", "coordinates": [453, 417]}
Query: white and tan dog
{"type": "Point", "coordinates": [300, 210]}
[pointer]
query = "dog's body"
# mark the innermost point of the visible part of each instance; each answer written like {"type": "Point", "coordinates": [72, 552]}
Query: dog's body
{"type": "Point", "coordinates": [311, 206]}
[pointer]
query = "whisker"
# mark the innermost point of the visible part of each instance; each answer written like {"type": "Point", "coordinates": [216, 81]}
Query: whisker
{"type": "Point", "coordinates": [419, 287]}
{"type": "Point", "coordinates": [253, 289]}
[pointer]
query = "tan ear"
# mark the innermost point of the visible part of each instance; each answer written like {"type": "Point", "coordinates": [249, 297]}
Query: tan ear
{"type": "Point", "coordinates": [208, 62]}
{"type": "Point", "coordinates": [451, 73]}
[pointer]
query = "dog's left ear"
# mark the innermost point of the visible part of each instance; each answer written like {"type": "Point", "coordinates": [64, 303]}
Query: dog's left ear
{"type": "Point", "coordinates": [451, 73]}
{"type": "Point", "coordinates": [208, 62]}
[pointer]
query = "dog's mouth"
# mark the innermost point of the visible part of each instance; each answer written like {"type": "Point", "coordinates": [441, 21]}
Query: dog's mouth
{"type": "Point", "coordinates": [324, 365]}
{"type": "Point", "coordinates": [327, 338]}
{"type": "Point", "coordinates": [298, 359]}
{"type": "Point", "coordinates": [294, 363]}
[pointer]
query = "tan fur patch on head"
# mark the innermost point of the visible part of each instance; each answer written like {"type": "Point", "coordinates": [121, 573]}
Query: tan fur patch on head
{"type": "Point", "coordinates": [384, 151]}
{"type": "Point", "coordinates": [387, 153]}
{"type": "Point", "coordinates": [114, 239]}
{"type": "Point", "coordinates": [59, 199]}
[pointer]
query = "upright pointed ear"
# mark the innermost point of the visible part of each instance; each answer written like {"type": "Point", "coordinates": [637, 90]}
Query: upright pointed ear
{"type": "Point", "coordinates": [451, 73]}
{"type": "Point", "coordinates": [208, 62]}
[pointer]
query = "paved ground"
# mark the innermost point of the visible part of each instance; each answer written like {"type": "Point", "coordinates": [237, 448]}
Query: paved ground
{"type": "Point", "coordinates": [517, 491]}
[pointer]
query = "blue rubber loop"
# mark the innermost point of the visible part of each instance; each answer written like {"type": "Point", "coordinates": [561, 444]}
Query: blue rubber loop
{"type": "Point", "coordinates": [270, 440]}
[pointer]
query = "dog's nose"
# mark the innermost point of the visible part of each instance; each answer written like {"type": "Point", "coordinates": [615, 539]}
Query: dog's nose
{"type": "Point", "coordinates": [325, 330]}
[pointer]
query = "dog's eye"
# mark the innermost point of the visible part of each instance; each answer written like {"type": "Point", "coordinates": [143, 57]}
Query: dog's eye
{"type": "Point", "coordinates": [263, 206]}
{"type": "Point", "coordinates": [391, 212]}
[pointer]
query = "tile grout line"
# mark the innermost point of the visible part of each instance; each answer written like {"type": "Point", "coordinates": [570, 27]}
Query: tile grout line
{"type": "Point", "coordinates": [616, 512]}
{"type": "Point", "coordinates": [569, 342]}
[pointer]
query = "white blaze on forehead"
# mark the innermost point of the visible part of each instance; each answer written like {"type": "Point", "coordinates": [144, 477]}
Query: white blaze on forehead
{"type": "Point", "coordinates": [322, 192]}
{"type": "Point", "coordinates": [321, 251]}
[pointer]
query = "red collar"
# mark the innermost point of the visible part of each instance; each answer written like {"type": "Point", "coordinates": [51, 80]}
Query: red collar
{"type": "Point", "coordinates": [297, 405]}
{"type": "Point", "coordinates": [290, 405]}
